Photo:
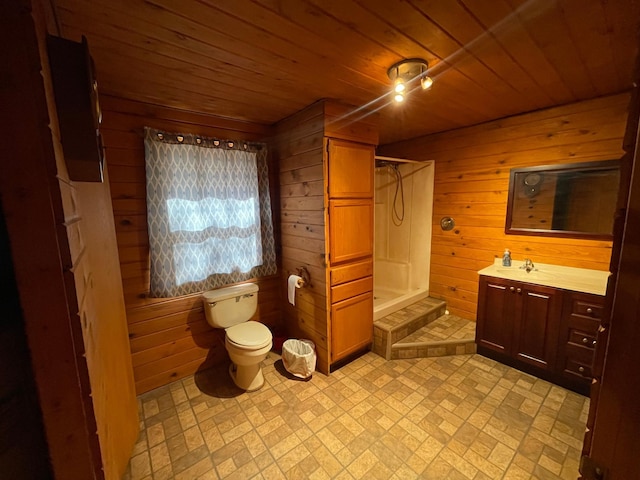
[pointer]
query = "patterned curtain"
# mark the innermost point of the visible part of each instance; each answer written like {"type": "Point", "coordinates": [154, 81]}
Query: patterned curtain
{"type": "Point", "coordinates": [208, 212]}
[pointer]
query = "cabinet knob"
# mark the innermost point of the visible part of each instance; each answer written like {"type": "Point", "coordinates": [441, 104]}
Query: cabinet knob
{"type": "Point", "coordinates": [519, 290]}
{"type": "Point", "coordinates": [512, 289]}
{"type": "Point", "coordinates": [581, 369]}
{"type": "Point", "coordinates": [585, 340]}
{"type": "Point", "coordinates": [589, 310]}
{"type": "Point", "coordinates": [594, 343]}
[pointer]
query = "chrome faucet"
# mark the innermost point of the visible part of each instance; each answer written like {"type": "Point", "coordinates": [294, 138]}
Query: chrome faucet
{"type": "Point", "coordinates": [528, 265]}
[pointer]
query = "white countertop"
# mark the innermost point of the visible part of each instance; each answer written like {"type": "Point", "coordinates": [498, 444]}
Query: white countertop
{"type": "Point", "coordinates": [567, 278]}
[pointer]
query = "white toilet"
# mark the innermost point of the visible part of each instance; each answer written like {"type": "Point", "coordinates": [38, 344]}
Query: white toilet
{"type": "Point", "coordinates": [247, 342]}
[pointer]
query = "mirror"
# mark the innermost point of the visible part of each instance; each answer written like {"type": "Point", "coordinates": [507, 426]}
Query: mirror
{"type": "Point", "coordinates": [568, 200]}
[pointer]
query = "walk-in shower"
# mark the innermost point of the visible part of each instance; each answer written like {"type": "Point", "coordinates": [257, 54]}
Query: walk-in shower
{"type": "Point", "coordinates": [402, 244]}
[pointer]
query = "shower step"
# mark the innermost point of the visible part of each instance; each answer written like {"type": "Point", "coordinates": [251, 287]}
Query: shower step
{"type": "Point", "coordinates": [422, 329]}
{"type": "Point", "coordinates": [447, 335]}
{"type": "Point", "coordinates": [394, 327]}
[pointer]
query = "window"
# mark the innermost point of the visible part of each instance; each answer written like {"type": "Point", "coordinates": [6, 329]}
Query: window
{"type": "Point", "coordinates": [208, 213]}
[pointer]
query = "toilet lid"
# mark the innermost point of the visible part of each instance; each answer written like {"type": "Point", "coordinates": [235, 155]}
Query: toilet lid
{"type": "Point", "coordinates": [249, 334]}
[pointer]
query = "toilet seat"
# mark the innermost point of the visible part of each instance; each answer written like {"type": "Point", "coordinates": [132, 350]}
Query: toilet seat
{"type": "Point", "coordinates": [248, 336]}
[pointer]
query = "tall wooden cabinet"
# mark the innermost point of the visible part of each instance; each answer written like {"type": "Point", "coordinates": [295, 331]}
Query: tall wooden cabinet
{"type": "Point", "coordinates": [326, 164]}
{"type": "Point", "coordinates": [350, 224]}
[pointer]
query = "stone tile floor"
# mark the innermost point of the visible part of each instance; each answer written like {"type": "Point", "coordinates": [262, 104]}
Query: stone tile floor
{"type": "Point", "coordinates": [446, 327]}
{"type": "Point", "coordinates": [458, 417]}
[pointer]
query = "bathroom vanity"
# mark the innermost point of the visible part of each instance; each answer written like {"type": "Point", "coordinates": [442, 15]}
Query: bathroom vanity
{"type": "Point", "coordinates": [543, 322]}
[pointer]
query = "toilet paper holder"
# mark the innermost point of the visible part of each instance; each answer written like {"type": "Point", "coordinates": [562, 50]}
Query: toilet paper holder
{"type": "Point", "coordinates": [303, 273]}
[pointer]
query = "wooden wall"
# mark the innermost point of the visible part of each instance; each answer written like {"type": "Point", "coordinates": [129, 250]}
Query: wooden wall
{"type": "Point", "coordinates": [298, 148]}
{"type": "Point", "coordinates": [97, 304]}
{"type": "Point", "coordinates": [64, 252]}
{"type": "Point", "coordinates": [169, 338]}
{"type": "Point", "coordinates": [471, 185]}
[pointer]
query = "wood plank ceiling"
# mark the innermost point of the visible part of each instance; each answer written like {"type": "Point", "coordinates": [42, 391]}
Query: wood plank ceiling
{"type": "Point", "coordinates": [263, 60]}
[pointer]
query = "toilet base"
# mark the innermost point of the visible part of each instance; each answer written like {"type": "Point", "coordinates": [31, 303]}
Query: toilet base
{"type": "Point", "coordinates": [247, 377]}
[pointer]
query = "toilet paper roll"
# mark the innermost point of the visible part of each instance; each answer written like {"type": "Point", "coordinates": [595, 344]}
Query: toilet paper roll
{"type": "Point", "coordinates": [295, 281]}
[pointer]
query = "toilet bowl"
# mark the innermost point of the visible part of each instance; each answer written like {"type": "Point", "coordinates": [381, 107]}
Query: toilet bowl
{"type": "Point", "coordinates": [248, 345]}
{"type": "Point", "coordinates": [247, 342]}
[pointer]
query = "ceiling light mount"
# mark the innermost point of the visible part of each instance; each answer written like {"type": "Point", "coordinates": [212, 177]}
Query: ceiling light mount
{"type": "Point", "coordinates": [406, 71]}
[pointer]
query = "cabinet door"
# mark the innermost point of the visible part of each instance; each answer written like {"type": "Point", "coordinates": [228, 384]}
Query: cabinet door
{"type": "Point", "coordinates": [351, 325]}
{"type": "Point", "coordinates": [535, 334]}
{"type": "Point", "coordinates": [350, 169]}
{"type": "Point", "coordinates": [350, 229]}
{"type": "Point", "coordinates": [495, 315]}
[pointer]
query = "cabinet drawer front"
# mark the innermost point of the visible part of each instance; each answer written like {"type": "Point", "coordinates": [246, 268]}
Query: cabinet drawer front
{"type": "Point", "coordinates": [587, 308]}
{"type": "Point", "coordinates": [351, 289]}
{"type": "Point", "coordinates": [583, 324]}
{"type": "Point", "coordinates": [351, 272]}
{"type": "Point", "coordinates": [578, 367]}
{"type": "Point", "coordinates": [582, 339]}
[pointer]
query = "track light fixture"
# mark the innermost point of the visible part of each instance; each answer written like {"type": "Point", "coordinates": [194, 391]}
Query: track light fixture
{"type": "Point", "coordinates": [405, 72]}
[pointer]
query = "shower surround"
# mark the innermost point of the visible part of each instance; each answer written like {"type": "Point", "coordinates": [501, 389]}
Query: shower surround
{"type": "Point", "coordinates": [402, 244]}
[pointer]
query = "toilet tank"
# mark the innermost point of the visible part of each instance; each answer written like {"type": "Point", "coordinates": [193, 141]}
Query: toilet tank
{"type": "Point", "coordinates": [230, 306]}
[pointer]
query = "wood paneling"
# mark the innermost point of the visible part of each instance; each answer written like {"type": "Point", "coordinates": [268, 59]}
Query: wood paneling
{"type": "Point", "coordinates": [471, 184]}
{"type": "Point", "coordinates": [489, 60]}
{"type": "Point", "coordinates": [298, 146]}
{"type": "Point", "coordinates": [104, 325]}
{"type": "Point", "coordinates": [63, 238]}
{"type": "Point", "coordinates": [169, 338]}
{"type": "Point", "coordinates": [101, 313]}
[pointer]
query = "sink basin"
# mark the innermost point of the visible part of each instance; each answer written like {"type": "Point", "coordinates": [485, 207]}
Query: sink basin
{"type": "Point", "coordinates": [557, 276]}
{"type": "Point", "coordinates": [521, 274]}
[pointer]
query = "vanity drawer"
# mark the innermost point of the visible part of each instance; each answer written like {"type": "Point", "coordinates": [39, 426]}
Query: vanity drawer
{"type": "Point", "coordinates": [582, 339]}
{"type": "Point", "coordinates": [352, 271]}
{"type": "Point", "coordinates": [578, 357]}
{"type": "Point", "coordinates": [351, 289]}
{"type": "Point", "coordinates": [590, 306]}
{"type": "Point", "coordinates": [578, 366]}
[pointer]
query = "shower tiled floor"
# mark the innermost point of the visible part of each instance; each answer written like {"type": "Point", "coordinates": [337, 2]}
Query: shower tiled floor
{"type": "Point", "coordinates": [446, 327]}
{"type": "Point", "coordinates": [457, 417]}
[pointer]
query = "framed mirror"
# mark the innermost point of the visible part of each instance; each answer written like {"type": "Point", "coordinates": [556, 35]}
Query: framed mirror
{"type": "Point", "coordinates": [568, 200]}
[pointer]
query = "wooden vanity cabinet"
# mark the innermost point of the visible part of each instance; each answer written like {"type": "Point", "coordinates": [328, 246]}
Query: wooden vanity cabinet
{"type": "Point", "coordinates": [544, 331]}
{"type": "Point", "coordinates": [519, 320]}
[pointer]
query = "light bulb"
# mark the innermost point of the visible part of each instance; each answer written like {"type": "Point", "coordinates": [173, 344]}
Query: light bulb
{"type": "Point", "coordinates": [399, 97]}
{"type": "Point", "coordinates": [399, 86]}
{"type": "Point", "coordinates": [426, 82]}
